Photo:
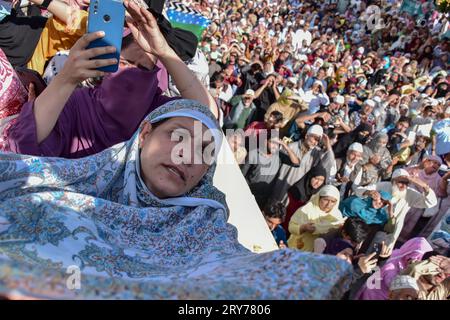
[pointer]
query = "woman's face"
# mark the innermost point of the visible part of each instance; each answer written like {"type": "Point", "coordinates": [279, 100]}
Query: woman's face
{"type": "Point", "coordinates": [317, 182]}
{"type": "Point", "coordinates": [327, 204]}
{"type": "Point", "coordinates": [312, 140]}
{"type": "Point", "coordinates": [173, 160]}
{"type": "Point", "coordinates": [346, 255]}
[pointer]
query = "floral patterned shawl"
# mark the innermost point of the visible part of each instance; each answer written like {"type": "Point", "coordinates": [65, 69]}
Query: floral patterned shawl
{"type": "Point", "coordinates": [96, 214]}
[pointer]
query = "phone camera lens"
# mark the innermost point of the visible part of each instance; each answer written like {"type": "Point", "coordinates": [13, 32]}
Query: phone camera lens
{"type": "Point", "coordinates": [107, 18]}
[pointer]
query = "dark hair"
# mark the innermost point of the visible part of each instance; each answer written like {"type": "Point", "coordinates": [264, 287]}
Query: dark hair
{"type": "Point", "coordinates": [277, 115]}
{"type": "Point", "coordinates": [404, 119]}
{"type": "Point", "coordinates": [356, 229]}
{"type": "Point", "coordinates": [126, 41]}
{"type": "Point", "coordinates": [275, 210]}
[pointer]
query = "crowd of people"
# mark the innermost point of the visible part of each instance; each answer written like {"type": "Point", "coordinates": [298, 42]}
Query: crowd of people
{"type": "Point", "coordinates": [337, 113]}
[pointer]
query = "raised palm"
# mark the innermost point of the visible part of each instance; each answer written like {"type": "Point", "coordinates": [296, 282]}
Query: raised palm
{"type": "Point", "coordinates": [145, 30]}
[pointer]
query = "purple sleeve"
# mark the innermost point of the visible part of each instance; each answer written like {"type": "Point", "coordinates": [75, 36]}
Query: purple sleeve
{"type": "Point", "coordinates": [92, 119]}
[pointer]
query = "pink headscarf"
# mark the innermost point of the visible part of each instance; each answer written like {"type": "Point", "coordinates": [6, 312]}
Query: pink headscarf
{"type": "Point", "coordinates": [12, 92]}
{"type": "Point", "coordinates": [412, 250]}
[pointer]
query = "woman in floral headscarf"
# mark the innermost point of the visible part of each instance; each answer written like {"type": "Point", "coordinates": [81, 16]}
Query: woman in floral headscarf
{"type": "Point", "coordinates": [142, 219]}
{"type": "Point", "coordinates": [340, 81]}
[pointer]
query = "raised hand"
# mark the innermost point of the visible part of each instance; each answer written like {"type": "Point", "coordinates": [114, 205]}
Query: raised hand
{"type": "Point", "coordinates": [145, 30]}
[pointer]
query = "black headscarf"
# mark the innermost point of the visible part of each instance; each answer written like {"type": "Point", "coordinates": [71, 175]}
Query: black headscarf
{"type": "Point", "coordinates": [183, 42]}
{"type": "Point", "coordinates": [346, 139]}
{"type": "Point", "coordinates": [302, 190]}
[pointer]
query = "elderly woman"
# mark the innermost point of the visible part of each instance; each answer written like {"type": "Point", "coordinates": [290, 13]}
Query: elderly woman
{"type": "Point", "coordinates": [411, 252]}
{"type": "Point", "coordinates": [319, 216]}
{"type": "Point", "coordinates": [378, 154]}
{"type": "Point", "coordinates": [65, 121]}
{"type": "Point", "coordinates": [289, 105]}
{"type": "Point", "coordinates": [141, 220]}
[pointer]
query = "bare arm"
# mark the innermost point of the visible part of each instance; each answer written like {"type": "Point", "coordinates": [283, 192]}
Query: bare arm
{"type": "Point", "coordinates": [79, 66]}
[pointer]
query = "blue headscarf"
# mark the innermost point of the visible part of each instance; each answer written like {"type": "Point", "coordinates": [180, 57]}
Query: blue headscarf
{"type": "Point", "coordinates": [96, 214]}
{"type": "Point", "coordinates": [358, 207]}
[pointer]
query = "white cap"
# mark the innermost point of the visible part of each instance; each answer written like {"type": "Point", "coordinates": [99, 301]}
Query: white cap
{"type": "Point", "coordinates": [302, 22]}
{"type": "Point", "coordinates": [370, 103]}
{"type": "Point", "coordinates": [339, 99]}
{"type": "Point", "coordinates": [214, 41]}
{"type": "Point", "coordinates": [447, 111]}
{"type": "Point", "coordinates": [250, 92]}
{"type": "Point", "coordinates": [377, 99]}
{"type": "Point", "coordinates": [356, 146]}
{"type": "Point", "coordinates": [404, 282]}
{"type": "Point", "coordinates": [400, 173]}
{"type": "Point", "coordinates": [292, 80]}
{"type": "Point", "coordinates": [316, 130]}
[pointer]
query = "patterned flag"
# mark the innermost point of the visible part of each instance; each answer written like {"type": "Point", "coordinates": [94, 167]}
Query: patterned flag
{"type": "Point", "coordinates": [5, 9]}
{"type": "Point", "coordinates": [183, 17]}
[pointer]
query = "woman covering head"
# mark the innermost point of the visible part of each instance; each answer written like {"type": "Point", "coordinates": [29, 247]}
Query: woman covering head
{"type": "Point", "coordinates": [12, 93]}
{"type": "Point", "coordinates": [302, 191]}
{"type": "Point", "coordinates": [319, 216]}
{"type": "Point", "coordinates": [369, 210]}
{"type": "Point", "coordinates": [289, 105]}
{"type": "Point", "coordinates": [141, 219]}
{"type": "Point", "coordinates": [376, 148]}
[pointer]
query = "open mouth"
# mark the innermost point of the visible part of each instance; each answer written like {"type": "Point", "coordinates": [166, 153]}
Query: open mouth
{"type": "Point", "coordinates": [176, 172]}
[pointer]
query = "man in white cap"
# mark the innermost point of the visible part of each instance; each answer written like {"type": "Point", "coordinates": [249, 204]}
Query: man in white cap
{"type": "Point", "coordinates": [349, 171]}
{"type": "Point", "coordinates": [364, 115]}
{"type": "Point", "coordinates": [404, 197]}
{"type": "Point", "coordinates": [404, 287]}
{"type": "Point", "coordinates": [315, 97]}
{"type": "Point", "coordinates": [428, 172]}
{"type": "Point", "coordinates": [339, 117]}
{"type": "Point", "coordinates": [310, 155]}
{"type": "Point", "coordinates": [242, 112]}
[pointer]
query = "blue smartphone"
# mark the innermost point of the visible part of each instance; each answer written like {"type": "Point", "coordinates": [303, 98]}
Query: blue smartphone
{"type": "Point", "coordinates": [107, 16]}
